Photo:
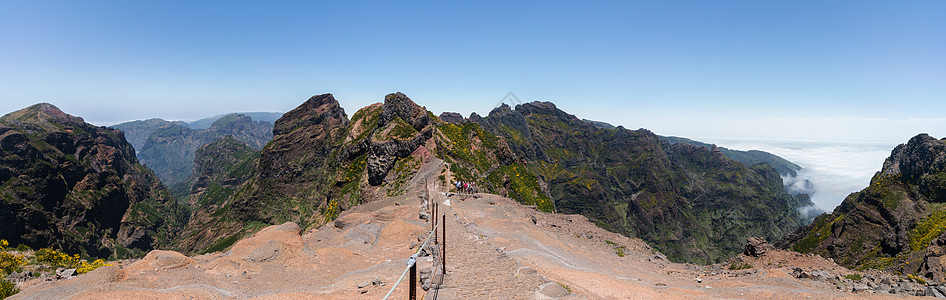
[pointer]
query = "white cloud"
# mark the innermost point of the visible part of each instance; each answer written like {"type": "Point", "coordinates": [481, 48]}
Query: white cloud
{"type": "Point", "coordinates": [835, 169]}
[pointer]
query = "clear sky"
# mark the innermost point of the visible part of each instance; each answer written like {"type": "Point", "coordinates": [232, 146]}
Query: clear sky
{"type": "Point", "coordinates": [851, 70]}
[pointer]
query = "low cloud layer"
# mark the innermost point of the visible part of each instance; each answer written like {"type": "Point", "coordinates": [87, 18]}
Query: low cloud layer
{"type": "Point", "coordinates": [834, 170]}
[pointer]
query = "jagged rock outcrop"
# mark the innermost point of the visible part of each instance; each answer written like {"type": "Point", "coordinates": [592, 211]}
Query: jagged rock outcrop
{"type": "Point", "coordinates": [896, 223]}
{"type": "Point", "coordinates": [75, 186]}
{"type": "Point", "coordinates": [679, 198]}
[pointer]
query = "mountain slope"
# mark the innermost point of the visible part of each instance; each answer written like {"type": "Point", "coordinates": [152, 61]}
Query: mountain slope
{"type": "Point", "coordinates": [72, 185]}
{"type": "Point", "coordinates": [897, 223]}
{"type": "Point", "coordinates": [692, 203]}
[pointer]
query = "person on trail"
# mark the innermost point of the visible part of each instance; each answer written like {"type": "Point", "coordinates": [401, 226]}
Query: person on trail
{"type": "Point", "coordinates": [459, 185]}
{"type": "Point", "coordinates": [466, 187]}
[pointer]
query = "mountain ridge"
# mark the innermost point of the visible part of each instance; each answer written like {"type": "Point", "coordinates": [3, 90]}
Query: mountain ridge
{"type": "Point", "coordinates": [677, 197]}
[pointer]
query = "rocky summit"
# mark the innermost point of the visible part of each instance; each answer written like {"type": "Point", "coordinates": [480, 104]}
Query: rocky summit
{"type": "Point", "coordinates": [75, 186]}
{"type": "Point", "coordinates": [895, 224]}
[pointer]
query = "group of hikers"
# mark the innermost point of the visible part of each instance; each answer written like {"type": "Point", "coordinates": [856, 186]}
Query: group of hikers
{"type": "Point", "coordinates": [466, 187]}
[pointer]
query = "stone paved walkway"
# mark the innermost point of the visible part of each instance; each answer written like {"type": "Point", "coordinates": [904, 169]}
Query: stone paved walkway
{"type": "Point", "coordinates": [478, 270]}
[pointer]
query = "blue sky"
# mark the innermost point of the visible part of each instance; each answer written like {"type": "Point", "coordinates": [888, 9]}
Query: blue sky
{"type": "Point", "coordinates": [820, 70]}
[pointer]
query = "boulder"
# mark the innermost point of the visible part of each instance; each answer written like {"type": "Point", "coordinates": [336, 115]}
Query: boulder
{"type": "Point", "coordinates": [757, 246]}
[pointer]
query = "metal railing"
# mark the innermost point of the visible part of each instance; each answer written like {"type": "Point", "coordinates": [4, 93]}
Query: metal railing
{"type": "Point", "coordinates": [412, 260]}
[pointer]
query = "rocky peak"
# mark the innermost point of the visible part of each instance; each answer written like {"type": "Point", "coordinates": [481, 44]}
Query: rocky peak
{"type": "Point", "coordinates": [451, 117]}
{"type": "Point", "coordinates": [399, 105]}
{"type": "Point", "coordinates": [43, 113]}
{"type": "Point", "coordinates": [318, 109]}
{"type": "Point", "coordinates": [921, 156]}
{"type": "Point", "coordinates": [537, 107]}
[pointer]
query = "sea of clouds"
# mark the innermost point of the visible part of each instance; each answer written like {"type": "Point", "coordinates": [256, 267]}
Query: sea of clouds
{"type": "Point", "coordinates": [835, 169]}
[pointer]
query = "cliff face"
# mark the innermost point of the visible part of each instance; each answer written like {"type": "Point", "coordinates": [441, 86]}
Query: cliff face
{"type": "Point", "coordinates": [896, 223]}
{"type": "Point", "coordinates": [692, 203]}
{"type": "Point", "coordinates": [169, 148]}
{"type": "Point", "coordinates": [68, 184]}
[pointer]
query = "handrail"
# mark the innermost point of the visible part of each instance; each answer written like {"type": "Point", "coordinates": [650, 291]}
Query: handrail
{"type": "Point", "coordinates": [412, 260]}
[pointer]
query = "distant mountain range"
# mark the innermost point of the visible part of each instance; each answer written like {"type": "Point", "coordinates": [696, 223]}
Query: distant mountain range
{"type": "Point", "coordinates": [268, 117]}
{"type": "Point", "coordinates": [169, 148]}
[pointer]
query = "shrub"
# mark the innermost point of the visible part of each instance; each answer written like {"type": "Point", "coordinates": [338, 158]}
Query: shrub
{"type": "Point", "coordinates": [56, 258]}
{"type": "Point", "coordinates": [7, 289]}
{"type": "Point", "coordinates": [9, 262]}
{"type": "Point", "coordinates": [918, 279]}
{"type": "Point", "coordinates": [739, 265]}
{"type": "Point", "coordinates": [59, 259]}
{"type": "Point", "coordinates": [85, 266]}
{"type": "Point", "coordinates": [854, 276]}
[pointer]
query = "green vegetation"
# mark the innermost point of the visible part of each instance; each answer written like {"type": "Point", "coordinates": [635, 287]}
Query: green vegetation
{"type": "Point", "coordinates": [401, 130]}
{"type": "Point", "coordinates": [927, 229]}
{"type": "Point", "coordinates": [620, 250]}
{"type": "Point", "coordinates": [472, 153]}
{"type": "Point", "coordinates": [7, 289]}
{"type": "Point", "coordinates": [60, 259]}
{"type": "Point", "coordinates": [404, 168]}
{"type": "Point", "coordinates": [223, 244]}
{"type": "Point", "coordinates": [917, 279]}
{"type": "Point", "coordinates": [9, 262]}
{"type": "Point", "coordinates": [855, 277]}
{"type": "Point", "coordinates": [42, 259]}
{"type": "Point", "coordinates": [819, 232]}
{"type": "Point", "coordinates": [739, 265]}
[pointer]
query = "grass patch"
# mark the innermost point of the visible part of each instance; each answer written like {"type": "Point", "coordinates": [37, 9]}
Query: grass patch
{"type": "Point", "coordinates": [739, 265]}
{"type": "Point", "coordinates": [223, 244]}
